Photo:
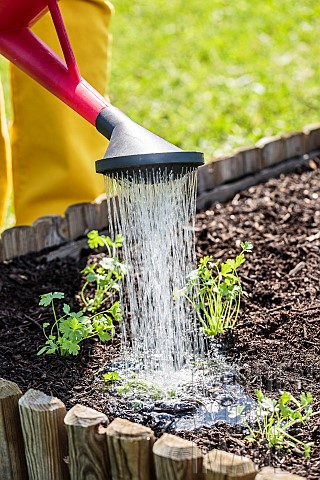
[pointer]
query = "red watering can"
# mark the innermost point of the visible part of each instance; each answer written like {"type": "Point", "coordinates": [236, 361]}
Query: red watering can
{"type": "Point", "coordinates": [132, 148]}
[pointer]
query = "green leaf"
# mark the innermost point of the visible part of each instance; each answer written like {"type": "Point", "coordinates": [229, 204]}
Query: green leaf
{"type": "Point", "coordinates": [47, 298]}
{"type": "Point", "coordinates": [225, 268]}
{"type": "Point", "coordinates": [42, 350]}
{"type": "Point", "coordinates": [104, 336]}
{"type": "Point", "coordinates": [66, 309]}
{"type": "Point", "coordinates": [296, 415]}
{"type": "Point", "coordinates": [46, 325]}
{"type": "Point", "coordinates": [52, 350]}
{"type": "Point", "coordinates": [307, 448]}
{"type": "Point", "coordinates": [119, 240]}
{"type": "Point", "coordinates": [260, 395]}
{"type": "Point", "coordinates": [74, 324]}
{"type": "Point", "coordinates": [64, 327]}
{"type": "Point", "coordinates": [51, 347]}
{"type": "Point", "coordinates": [231, 263]}
{"type": "Point", "coordinates": [72, 329]}
{"type": "Point", "coordinates": [69, 347]}
{"type": "Point", "coordinates": [240, 259]}
{"type": "Point", "coordinates": [246, 246]}
{"type": "Point", "coordinates": [94, 239]}
{"type": "Point", "coordinates": [111, 377]}
{"type": "Point", "coordinates": [79, 315]}
{"type": "Point", "coordinates": [306, 398]}
{"type": "Point", "coordinates": [108, 263]}
{"type": "Point", "coordinates": [108, 241]}
{"type": "Point", "coordinates": [285, 397]}
{"type": "Point", "coordinates": [91, 277]}
{"type": "Point", "coordinates": [231, 279]}
{"type": "Point", "coordinates": [286, 411]}
{"type": "Point", "coordinates": [115, 311]}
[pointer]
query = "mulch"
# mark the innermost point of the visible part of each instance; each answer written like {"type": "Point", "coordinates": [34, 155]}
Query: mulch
{"type": "Point", "coordinates": [276, 344]}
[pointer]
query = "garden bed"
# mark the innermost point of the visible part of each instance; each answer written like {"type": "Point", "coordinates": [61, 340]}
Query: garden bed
{"type": "Point", "coordinates": [276, 342]}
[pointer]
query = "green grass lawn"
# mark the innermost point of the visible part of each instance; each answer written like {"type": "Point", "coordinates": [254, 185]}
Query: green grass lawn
{"type": "Point", "coordinates": [213, 75]}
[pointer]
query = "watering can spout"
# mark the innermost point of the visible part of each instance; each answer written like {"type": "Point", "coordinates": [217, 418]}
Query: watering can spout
{"type": "Point", "coordinates": [62, 78]}
{"type": "Point", "coordinates": [133, 148]}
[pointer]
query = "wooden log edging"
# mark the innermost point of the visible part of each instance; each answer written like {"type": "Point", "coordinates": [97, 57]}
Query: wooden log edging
{"type": "Point", "coordinates": [130, 449]}
{"type": "Point", "coordinates": [12, 455]}
{"type": "Point", "coordinates": [88, 451]}
{"type": "Point", "coordinates": [218, 181]}
{"type": "Point", "coordinates": [219, 464]}
{"type": "Point", "coordinates": [44, 435]}
{"type": "Point", "coordinates": [269, 473]}
{"type": "Point", "coordinates": [267, 152]}
{"type": "Point", "coordinates": [123, 450]}
{"type": "Point", "coordinates": [224, 192]}
{"type": "Point", "coordinates": [176, 458]}
{"type": "Point", "coordinates": [53, 230]}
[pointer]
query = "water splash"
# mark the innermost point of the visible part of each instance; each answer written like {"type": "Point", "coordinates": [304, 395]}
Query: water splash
{"type": "Point", "coordinates": [186, 399]}
{"type": "Point", "coordinates": [155, 212]}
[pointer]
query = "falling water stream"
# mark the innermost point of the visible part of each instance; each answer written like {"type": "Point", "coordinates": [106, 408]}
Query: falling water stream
{"type": "Point", "coordinates": [161, 342]}
{"type": "Point", "coordinates": [155, 216]}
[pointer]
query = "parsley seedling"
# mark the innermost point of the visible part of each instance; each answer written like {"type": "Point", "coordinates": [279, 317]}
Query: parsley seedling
{"type": "Point", "coordinates": [106, 276]}
{"type": "Point", "coordinates": [110, 377]}
{"type": "Point", "coordinates": [214, 290]}
{"type": "Point", "coordinates": [275, 418]}
{"type": "Point", "coordinates": [66, 332]}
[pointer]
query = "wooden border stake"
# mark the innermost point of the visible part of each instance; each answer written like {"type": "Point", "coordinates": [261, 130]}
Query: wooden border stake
{"type": "Point", "coordinates": [177, 459]}
{"type": "Point", "coordinates": [130, 450]}
{"type": "Point", "coordinates": [269, 473]}
{"type": "Point", "coordinates": [88, 451]}
{"type": "Point", "coordinates": [45, 436]}
{"type": "Point", "coordinates": [220, 465]}
{"type": "Point", "coordinates": [12, 457]}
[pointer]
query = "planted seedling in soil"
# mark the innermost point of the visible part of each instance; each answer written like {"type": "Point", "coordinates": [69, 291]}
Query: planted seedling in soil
{"type": "Point", "coordinates": [214, 290]}
{"type": "Point", "coordinates": [135, 387]}
{"type": "Point", "coordinates": [276, 420]}
{"type": "Point", "coordinates": [110, 377]}
{"type": "Point", "coordinates": [105, 276]}
{"type": "Point", "coordinates": [66, 332]}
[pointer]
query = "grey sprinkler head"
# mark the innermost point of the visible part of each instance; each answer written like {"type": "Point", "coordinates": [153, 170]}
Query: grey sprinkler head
{"type": "Point", "coordinates": [134, 149]}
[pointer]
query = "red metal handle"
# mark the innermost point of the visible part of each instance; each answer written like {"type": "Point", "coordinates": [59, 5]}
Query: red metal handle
{"type": "Point", "coordinates": [34, 57]}
{"type": "Point", "coordinates": [64, 40]}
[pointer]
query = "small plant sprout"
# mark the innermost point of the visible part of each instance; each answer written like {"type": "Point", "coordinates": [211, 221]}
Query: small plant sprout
{"type": "Point", "coordinates": [110, 377]}
{"type": "Point", "coordinates": [64, 335]}
{"type": "Point", "coordinates": [276, 418]}
{"type": "Point", "coordinates": [105, 276]}
{"type": "Point", "coordinates": [214, 291]}
{"type": "Point", "coordinates": [96, 240]}
{"type": "Point", "coordinates": [138, 388]}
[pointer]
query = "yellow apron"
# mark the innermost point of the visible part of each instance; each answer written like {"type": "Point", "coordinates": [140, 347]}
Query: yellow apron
{"type": "Point", "coordinates": [5, 161]}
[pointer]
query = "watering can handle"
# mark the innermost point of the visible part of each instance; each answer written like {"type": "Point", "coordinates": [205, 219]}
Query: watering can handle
{"type": "Point", "coordinates": [65, 44]}
{"type": "Point", "coordinates": [28, 52]}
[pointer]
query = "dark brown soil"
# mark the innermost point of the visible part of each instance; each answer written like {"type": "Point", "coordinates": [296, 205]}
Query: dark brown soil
{"type": "Point", "coordinates": [277, 339]}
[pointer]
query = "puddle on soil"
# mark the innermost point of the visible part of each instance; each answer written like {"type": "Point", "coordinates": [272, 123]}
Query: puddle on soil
{"type": "Point", "coordinates": [203, 393]}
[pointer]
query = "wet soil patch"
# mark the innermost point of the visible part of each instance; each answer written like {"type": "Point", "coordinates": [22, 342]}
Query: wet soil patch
{"type": "Point", "coordinates": [276, 344]}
